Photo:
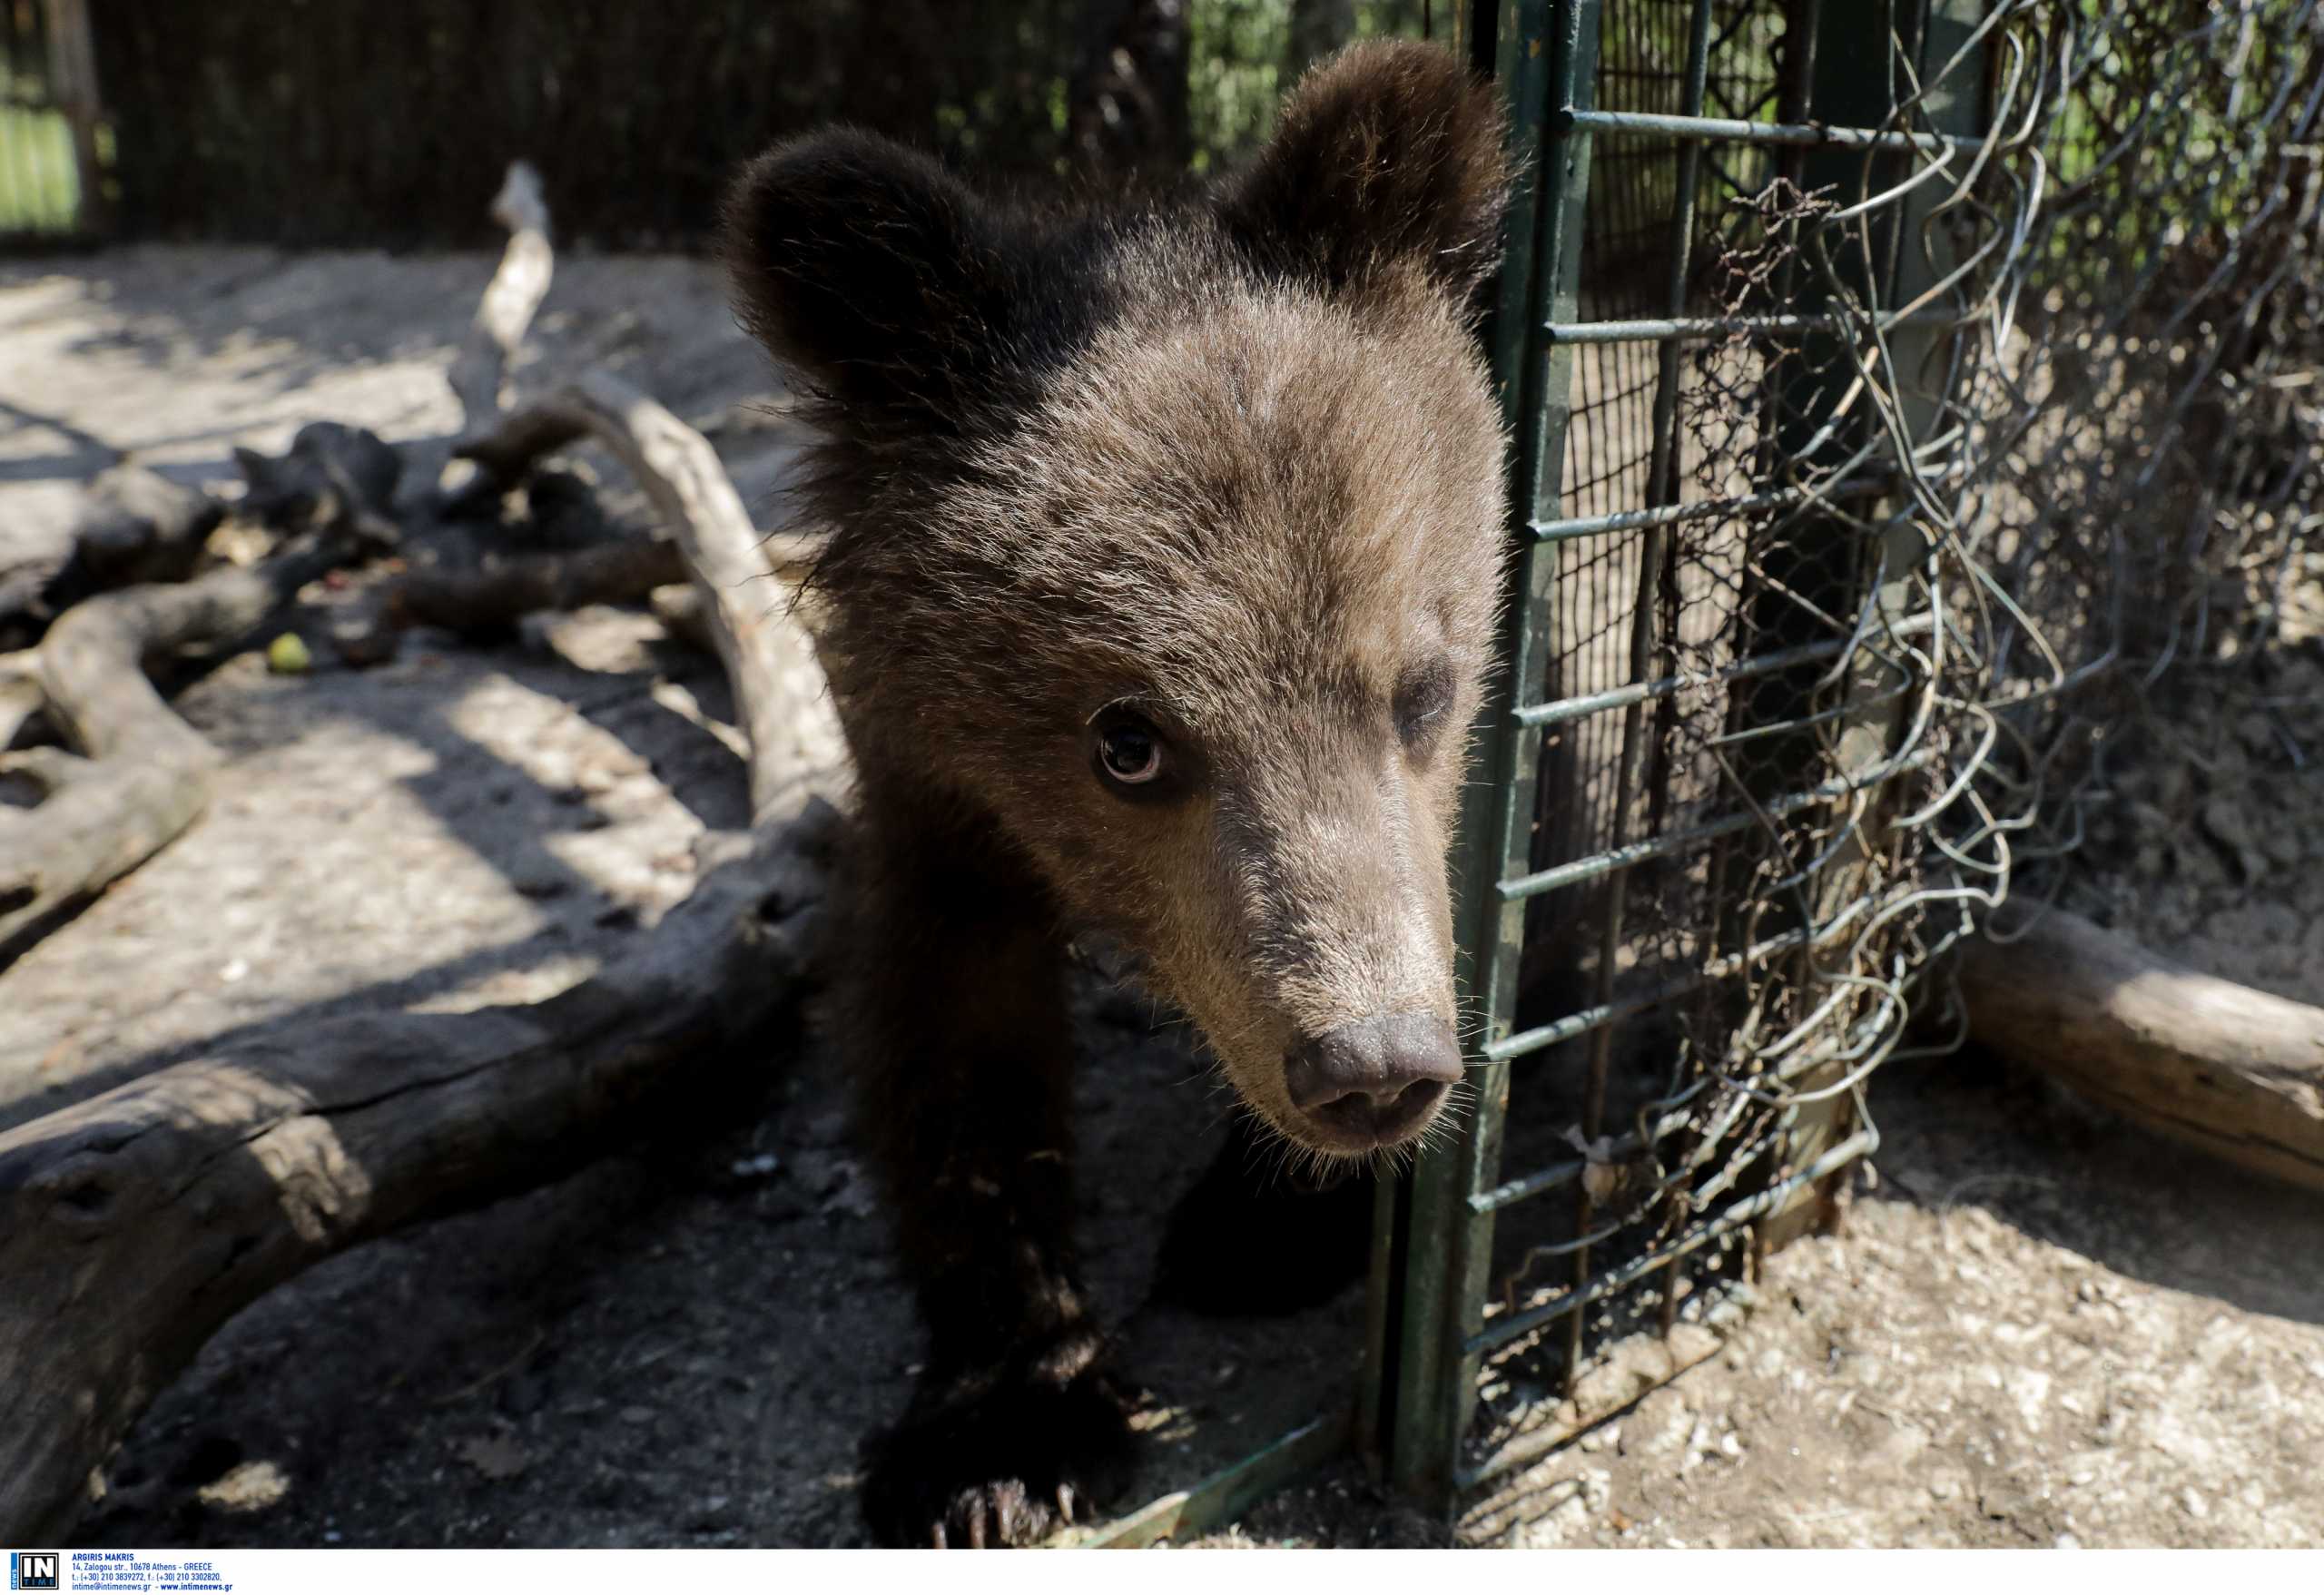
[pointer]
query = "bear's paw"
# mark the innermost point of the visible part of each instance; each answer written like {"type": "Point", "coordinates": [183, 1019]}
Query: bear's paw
{"type": "Point", "coordinates": [1008, 1465]}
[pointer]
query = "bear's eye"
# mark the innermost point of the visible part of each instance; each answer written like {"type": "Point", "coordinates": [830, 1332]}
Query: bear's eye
{"type": "Point", "coordinates": [1129, 750]}
{"type": "Point", "coordinates": [1422, 699]}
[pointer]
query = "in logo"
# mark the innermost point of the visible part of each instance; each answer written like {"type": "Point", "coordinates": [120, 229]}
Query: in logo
{"type": "Point", "coordinates": [33, 1570]}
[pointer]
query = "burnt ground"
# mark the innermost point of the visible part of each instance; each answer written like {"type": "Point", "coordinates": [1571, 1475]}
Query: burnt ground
{"type": "Point", "coordinates": [2036, 1327]}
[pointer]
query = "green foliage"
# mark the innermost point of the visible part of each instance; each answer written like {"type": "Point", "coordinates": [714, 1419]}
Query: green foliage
{"type": "Point", "coordinates": [1239, 57]}
{"type": "Point", "coordinates": [2166, 134]}
{"type": "Point", "coordinates": [40, 183]}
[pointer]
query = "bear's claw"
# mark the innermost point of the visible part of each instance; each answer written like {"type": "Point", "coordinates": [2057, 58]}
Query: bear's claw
{"type": "Point", "coordinates": [1009, 1465]}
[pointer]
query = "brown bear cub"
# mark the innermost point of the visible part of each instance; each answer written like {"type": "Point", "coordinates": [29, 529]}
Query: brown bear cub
{"type": "Point", "coordinates": [1163, 571]}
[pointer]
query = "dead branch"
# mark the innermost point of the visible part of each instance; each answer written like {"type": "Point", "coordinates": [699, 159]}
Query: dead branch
{"type": "Point", "coordinates": [478, 603]}
{"type": "Point", "coordinates": [334, 474]}
{"type": "Point", "coordinates": [133, 525]}
{"type": "Point", "coordinates": [769, 660]}
{"type": "Point", "coordinates": [140, 775]}
{"type": "Point", "coordinates": [134, 1225]}
{"type": "Point", "coordinates": [2235, 1072]}
{"type": "Point", "coordinates": [510, 300]}
{"type": "Point", "coordinates": [489, 600]}
{"type": "Point", "coordinates": [19, 695]}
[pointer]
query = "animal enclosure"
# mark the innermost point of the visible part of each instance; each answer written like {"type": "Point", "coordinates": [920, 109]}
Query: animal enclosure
{"type": "Point", "coordinates": [1891, 386]}
{"type": "Point", "coordinates": [1908, 398]}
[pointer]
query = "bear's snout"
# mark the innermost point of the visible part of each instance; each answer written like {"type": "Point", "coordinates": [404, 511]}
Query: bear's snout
{"type": "Point", "coordinates": [1375, 1082]}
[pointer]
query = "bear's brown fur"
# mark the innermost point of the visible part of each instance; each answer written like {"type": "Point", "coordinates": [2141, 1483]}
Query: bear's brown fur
{"type": "Point", "coordinates": [1163, 569]}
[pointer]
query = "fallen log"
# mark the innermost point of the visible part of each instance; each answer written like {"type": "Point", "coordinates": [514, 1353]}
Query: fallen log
{"type": "Point", "coordinates": [134, 1225]}
{"type": "Point", "coordinates": [490, 600]}
{"type": "Point", "coordinates": [2232, 1071]}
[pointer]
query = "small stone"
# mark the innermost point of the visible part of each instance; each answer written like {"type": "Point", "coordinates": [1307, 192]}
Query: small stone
{"type": "Point", "coordinates": [249, 1487]}
{"type": "Point", "coordinates": [495, 1456]}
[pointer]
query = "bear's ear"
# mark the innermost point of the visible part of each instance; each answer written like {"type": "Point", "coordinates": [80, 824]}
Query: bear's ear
{"type": "Point", "coordinates": [870, 270]}
{"type": "Point", "coordinates": [1388, 154]}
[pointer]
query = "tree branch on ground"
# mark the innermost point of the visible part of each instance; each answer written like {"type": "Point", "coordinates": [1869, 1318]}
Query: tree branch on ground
{"type": "Point", "coordinates": [134, 1225]}
{"type": "Point", "coordinates": [133, 527]}
{"type": "Point", "coordinates": [2235, 1072]}
{"type": "Point", "coordinates": [138, 774]}
{"type": "Point", "coordinates": [510, 303]}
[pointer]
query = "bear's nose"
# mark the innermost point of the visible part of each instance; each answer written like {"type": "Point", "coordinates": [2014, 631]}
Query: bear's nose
{"type": "Point", "coordinates": [1376, 1079]}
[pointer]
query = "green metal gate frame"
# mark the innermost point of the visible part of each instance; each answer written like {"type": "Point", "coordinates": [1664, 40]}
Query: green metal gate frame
{"type": "Point", "coordinates": [1426, 1332]}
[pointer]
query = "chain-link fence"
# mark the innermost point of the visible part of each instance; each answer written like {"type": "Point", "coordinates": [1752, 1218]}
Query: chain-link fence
{"type": "Point", "coordinates": [1904, 393]}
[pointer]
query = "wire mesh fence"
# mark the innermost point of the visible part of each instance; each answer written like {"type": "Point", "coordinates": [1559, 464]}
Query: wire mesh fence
{"type": "Point", "coordinates": [1905, 393]}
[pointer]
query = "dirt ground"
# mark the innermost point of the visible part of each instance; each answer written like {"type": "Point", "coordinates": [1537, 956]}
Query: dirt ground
{"type": "Point", "coordinates": [2035, 1328]}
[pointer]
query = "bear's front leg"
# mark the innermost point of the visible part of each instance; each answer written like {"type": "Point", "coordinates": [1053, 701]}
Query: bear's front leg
{"type": "Point", "coordinates": [962, 1042]}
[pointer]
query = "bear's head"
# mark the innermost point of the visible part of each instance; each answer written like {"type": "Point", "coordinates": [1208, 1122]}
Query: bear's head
{"type": "Point", "coordinates": [1165, 540]}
